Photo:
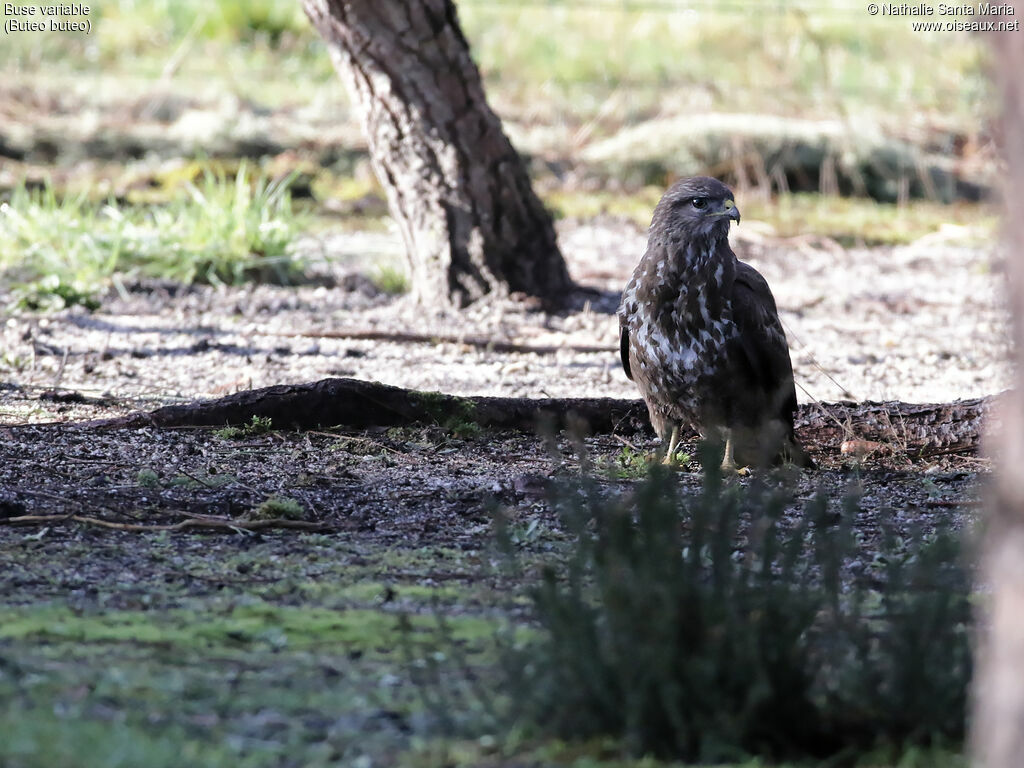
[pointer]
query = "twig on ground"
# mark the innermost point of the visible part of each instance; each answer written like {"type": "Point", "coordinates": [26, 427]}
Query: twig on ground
{"type": "Point", "coordinates": [954, 504]}
{"type": "Point", "coordinates": [404, 337]}
{"type": "Point", "coordinates": [194, 522]}
{"type": "Point", "coordinates": [627, 443]}
{"type": "Point", "coordinates": [200, 480]}
{"type": "Point", "coordinates": [340, 436]}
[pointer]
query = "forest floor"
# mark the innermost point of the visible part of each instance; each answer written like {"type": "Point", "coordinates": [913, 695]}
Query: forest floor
{"type": "Point", "coordinates": [150, 643]}
{"type": "Point", "coordinates": [282, 647]}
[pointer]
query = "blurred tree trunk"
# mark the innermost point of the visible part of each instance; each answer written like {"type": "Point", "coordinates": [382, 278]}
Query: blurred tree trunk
{"type": "Point", "coordinates": [998, 717]}
{"type": "Point", "coordinates": [460, 193]}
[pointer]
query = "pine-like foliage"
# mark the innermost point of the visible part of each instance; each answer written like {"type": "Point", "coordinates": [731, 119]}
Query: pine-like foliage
{"type": "Point", "coordinates": [716, 625]}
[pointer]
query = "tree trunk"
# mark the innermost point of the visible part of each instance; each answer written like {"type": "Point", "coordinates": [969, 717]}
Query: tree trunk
{"type": "Point", "coordinates": [998, 718]}
{"type": "Point", "coordinates": [460, 193]}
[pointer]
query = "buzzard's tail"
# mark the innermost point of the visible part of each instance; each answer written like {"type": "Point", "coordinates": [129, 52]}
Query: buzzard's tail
{"type": "Point", "coordinates": [770, 443]}
{"type": "Point", "coordinates": [794, 453]}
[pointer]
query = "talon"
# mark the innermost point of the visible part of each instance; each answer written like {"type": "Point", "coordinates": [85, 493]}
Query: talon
{"type": "Point", "coordinates": [729, 463]}
{"type": "Point", "coordinates": [673, 444]}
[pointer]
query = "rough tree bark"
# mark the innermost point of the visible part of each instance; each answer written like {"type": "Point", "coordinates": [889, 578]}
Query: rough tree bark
{"type": "Point", "coordinates": [460, 193]}
{"type": "Point", "coordinates": [998, 718]}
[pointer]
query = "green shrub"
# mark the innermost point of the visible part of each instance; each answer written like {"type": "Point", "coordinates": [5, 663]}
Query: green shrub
{"type": "Point", "coordinates": [714, 626]}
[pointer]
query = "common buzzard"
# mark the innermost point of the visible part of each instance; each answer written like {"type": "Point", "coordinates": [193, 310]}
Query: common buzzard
{"type": "Point", "coordinates": [700, 335]}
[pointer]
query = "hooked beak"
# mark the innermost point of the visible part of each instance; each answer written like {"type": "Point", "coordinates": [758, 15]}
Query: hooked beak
{"type": "Point", "coordinates": [730, 210]}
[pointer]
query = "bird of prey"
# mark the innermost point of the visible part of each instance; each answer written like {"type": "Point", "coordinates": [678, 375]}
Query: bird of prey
{"type": "Point", "coordinates": [700, 335]}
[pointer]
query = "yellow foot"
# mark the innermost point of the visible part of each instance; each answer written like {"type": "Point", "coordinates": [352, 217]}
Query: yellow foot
{"type": "Point", "coordinates": [729, 464]}
{"type": "Point", "coordinates": [672, 461]}
{"type": "Point", "coordinates": [729, 468]}
{"type": "Point", "coordinates": [673, 443]}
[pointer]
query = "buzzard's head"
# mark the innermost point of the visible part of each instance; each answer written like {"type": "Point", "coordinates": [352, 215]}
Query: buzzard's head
{"type": "Point", "coordinates": [696, 207]}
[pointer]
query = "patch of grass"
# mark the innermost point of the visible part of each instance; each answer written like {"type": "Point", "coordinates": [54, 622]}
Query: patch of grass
{"type": "Point", "coordinates": [627, 464]}
{"type": "Point", "coordinates": [850, 221]}
{"type": "Point", "coordinates": [857, 222]}
{"type": "Point", "coordinates": [50, 293]}
{"type": "Point", "coordinates": [238, 652]}
{"type": "Point", "coordinates": [713, 628]}
{"type": "Point", "coordinates": [236, 682]}
{"type": "Point", "coordinates": [247, 625]}
{"type": "Point", "coordinates": [349, 189]}
{"type": "Point", "coordinates": [463, 428]}
{"type": "Point", "coordinates": [605, 753]}
{"type": "Point", "coordinates": [390, 279]}
{"type": "Point", "coordinates": [637, 206]}
{"type": "Point", "coordinates": [139, 38]}
{"type": "Point", "coordinates": [223, 230]}
{"type": "Point", "coordinates": [613, 61]}
{"type": "Point", "coordinates": [148, 478]}
{"type": "Point", "coordinates": [746, 56]}
{"type": "Point", "coordinates": [38, 738]}
{"type": "Point", "coordinates": [455, 414]}
{"type": "Point", "coordinates": [275, 507]}
{"type": "Point", "coordinates": [245, 22]}
{"type": "Point", "coordinates": [257, 425]}
{"type": "Point", "coordinates": [210, 481]}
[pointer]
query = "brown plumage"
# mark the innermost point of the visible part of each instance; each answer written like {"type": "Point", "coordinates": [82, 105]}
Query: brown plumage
{"type": "Point", "coordinates": [700, 335]}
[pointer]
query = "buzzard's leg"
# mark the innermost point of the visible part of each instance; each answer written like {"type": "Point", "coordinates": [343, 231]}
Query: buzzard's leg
{"type": "Point", "coordinates": [729, 462]}
{"type": "Point", "coordinates": [673, 444]}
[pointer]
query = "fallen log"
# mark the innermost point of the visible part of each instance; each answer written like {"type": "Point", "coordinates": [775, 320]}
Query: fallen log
{"type": "Point", "coordinates": [361, 404]}
{"type": "Point", "coordinates": [917, 429]}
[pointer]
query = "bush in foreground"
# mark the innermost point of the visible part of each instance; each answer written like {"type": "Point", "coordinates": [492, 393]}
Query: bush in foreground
{"type": "Point", "coordinates": [715, 626]}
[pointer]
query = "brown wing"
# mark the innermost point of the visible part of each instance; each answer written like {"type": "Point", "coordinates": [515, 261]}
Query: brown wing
{"type": "Point", "coordinates": [764, 353]}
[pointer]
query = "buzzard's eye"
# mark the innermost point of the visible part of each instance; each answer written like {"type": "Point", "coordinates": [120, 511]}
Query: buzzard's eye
{"type": "Point", "coordinates": [700, 203]}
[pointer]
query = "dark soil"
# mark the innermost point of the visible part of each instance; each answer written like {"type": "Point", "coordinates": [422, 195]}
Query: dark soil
{"type": "Point", "coordinates": [283, 647]}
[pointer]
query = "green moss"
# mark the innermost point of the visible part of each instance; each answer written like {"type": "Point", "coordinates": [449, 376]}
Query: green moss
{"type": "Point", "coordinates": [455, 414]}
{"type": "Point", "coordinates": [252, 625]}
{"type": "Point", "coordinates": [275, 507]}
{"type": "Point", "coordinates": [257, 425]}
